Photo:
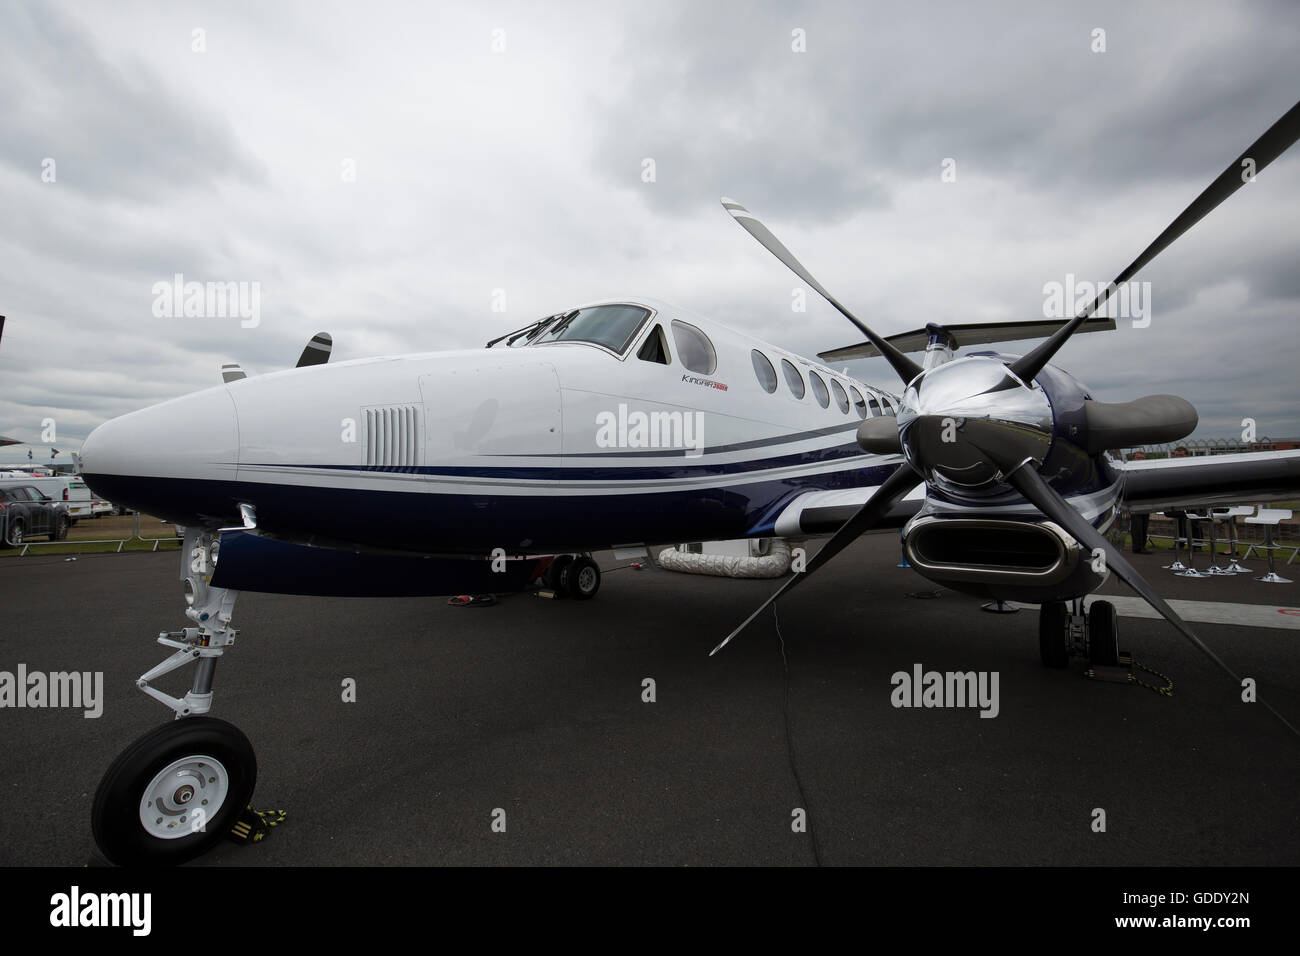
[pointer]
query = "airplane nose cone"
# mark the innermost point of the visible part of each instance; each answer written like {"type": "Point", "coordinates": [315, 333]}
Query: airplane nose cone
{"type": "Point", "coordinates": [178, 460]}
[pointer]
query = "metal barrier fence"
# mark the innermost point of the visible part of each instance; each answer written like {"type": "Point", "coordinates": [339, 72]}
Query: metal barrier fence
{"type": "Point", "coordinates": [135, 535]}
{"type": "Point", "coordinates": [1198, 447]}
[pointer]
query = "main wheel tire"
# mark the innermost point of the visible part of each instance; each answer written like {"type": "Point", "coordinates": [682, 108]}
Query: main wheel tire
{"type": "Point", "coordinates": [557, 575]}
{"type": "Point", "coordinates": [1053, 630]}
{"type": "Point", "coordinates": [14, 534]}
{"type": "Point", "coordinates": [583, 579]}
{"type": "Point", "coordinates": [174, 793]}
{"type": "Point", "coordinates": [61, 529]}
{"type": "Point", "coordinates": [1103, 634]}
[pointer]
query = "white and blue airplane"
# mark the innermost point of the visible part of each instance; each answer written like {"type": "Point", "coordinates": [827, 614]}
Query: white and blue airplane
{"type": "Point", "coordinates": [614, 423]}
{"type": "Point", "coordinates": [632, 422]}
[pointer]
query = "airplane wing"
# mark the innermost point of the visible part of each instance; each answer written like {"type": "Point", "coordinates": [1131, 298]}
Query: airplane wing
{"type": "Point", "coordinates": [963, 334]}
{"type": "Point", "coordinates": [1215, 480]}
{"type": "Point", "coordinates": [1145, 486]}
{"type": "Point", "coordinates": [824, 512]}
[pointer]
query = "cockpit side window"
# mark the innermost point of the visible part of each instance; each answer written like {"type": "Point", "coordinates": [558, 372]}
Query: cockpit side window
{"type": "Point", "coordinates": [611, 326]}
{"type": "Point", "coordinates": [655, 347]}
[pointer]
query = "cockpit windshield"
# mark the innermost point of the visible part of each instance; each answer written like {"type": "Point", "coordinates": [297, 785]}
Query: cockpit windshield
{"type": "Point", "coordinates": [611, 326]}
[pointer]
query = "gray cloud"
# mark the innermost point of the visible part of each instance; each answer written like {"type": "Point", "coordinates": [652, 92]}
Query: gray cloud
{"type": "Point", "coordinates": [113, 127]}
{"type": "Point", "coordinates": [717, 96]}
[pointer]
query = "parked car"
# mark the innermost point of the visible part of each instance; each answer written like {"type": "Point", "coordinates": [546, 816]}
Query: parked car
{"type": "Point", "coordinates": [27, 512]}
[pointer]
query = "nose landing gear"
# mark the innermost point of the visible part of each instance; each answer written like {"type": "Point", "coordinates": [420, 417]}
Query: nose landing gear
{"type": "Point", "coordinates": [1064, 629]}
{"type": "Point", "coordinates": [178, 789]}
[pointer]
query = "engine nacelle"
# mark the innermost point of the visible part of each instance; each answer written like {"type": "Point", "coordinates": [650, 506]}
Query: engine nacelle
{"type": "Point", "coordinates": [1001, 558]}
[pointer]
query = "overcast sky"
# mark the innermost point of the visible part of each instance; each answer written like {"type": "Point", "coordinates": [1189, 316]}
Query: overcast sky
{"type": "Point", "coordinates": [379, 170]}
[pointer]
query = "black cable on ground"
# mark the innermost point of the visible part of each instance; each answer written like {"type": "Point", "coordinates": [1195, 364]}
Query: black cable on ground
{"type": "Point", "coordinates": [789, 743]}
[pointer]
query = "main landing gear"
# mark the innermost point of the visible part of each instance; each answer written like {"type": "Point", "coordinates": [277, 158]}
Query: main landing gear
{"type": "Point", "coordinates": [575, 576]}
{"type": "Point", "coordinates": [176, 791]}
{"type": "Point", "coordinates": [1065, 628]}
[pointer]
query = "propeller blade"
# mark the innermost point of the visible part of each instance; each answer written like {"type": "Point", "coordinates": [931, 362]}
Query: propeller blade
{"type": "Point", "coordinates": [904, 366]}
{"type": "Point", "coordinates": [1263, 151]}
{"type": "Point", "coordinates": [1026, 480]}
{"type": "Point", "coordinates": [868, 516]}
{"type": "Point", "coordinates": [317, 351]}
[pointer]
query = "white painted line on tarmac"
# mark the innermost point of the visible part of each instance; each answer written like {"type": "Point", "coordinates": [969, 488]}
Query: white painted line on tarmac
{"type": "Point", "coordinates": [1203, 612]}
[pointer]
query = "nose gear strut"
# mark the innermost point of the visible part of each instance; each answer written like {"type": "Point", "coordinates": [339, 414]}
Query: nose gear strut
{"type": "Point", "coordinates": [211, 610]}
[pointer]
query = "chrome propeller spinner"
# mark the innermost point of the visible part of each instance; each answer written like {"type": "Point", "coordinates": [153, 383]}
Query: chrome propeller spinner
{"type": "Point", "coordinates": [962, 422]}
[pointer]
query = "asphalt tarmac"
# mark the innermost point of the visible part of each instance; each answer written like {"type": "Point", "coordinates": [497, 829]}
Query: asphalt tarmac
{"type": "Point", "coordinates": [532, 712]}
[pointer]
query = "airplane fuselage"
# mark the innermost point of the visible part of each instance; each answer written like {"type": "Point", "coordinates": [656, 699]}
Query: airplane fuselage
{"type": "Point", "coordinates": [563, 446]}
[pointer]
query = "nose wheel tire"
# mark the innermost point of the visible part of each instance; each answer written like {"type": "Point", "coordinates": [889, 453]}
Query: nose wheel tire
{"type": "Point", "coordinates": [174, 793]}
{"type": "Point", "coordinates": [1103, 634]}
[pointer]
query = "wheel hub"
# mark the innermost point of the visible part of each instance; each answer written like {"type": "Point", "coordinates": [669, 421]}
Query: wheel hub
{"type": "Point", "coordinates": [183, 796]}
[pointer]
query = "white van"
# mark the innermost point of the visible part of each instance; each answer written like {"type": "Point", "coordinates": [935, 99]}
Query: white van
{"type": "Point", "coordinates": [69, 489]}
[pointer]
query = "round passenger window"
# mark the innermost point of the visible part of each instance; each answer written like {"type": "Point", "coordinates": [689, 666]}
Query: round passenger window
{"type": "Point", "coordinates": [763, 369]}
{"type": "Point", "coordinates": [841, 399]}
{"type": "Point", "coordinates": [859, 403]}
{"type": "Point", "coordinates": [819, 390]}
{"type": "Point", "coordinates": [793, 378]}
